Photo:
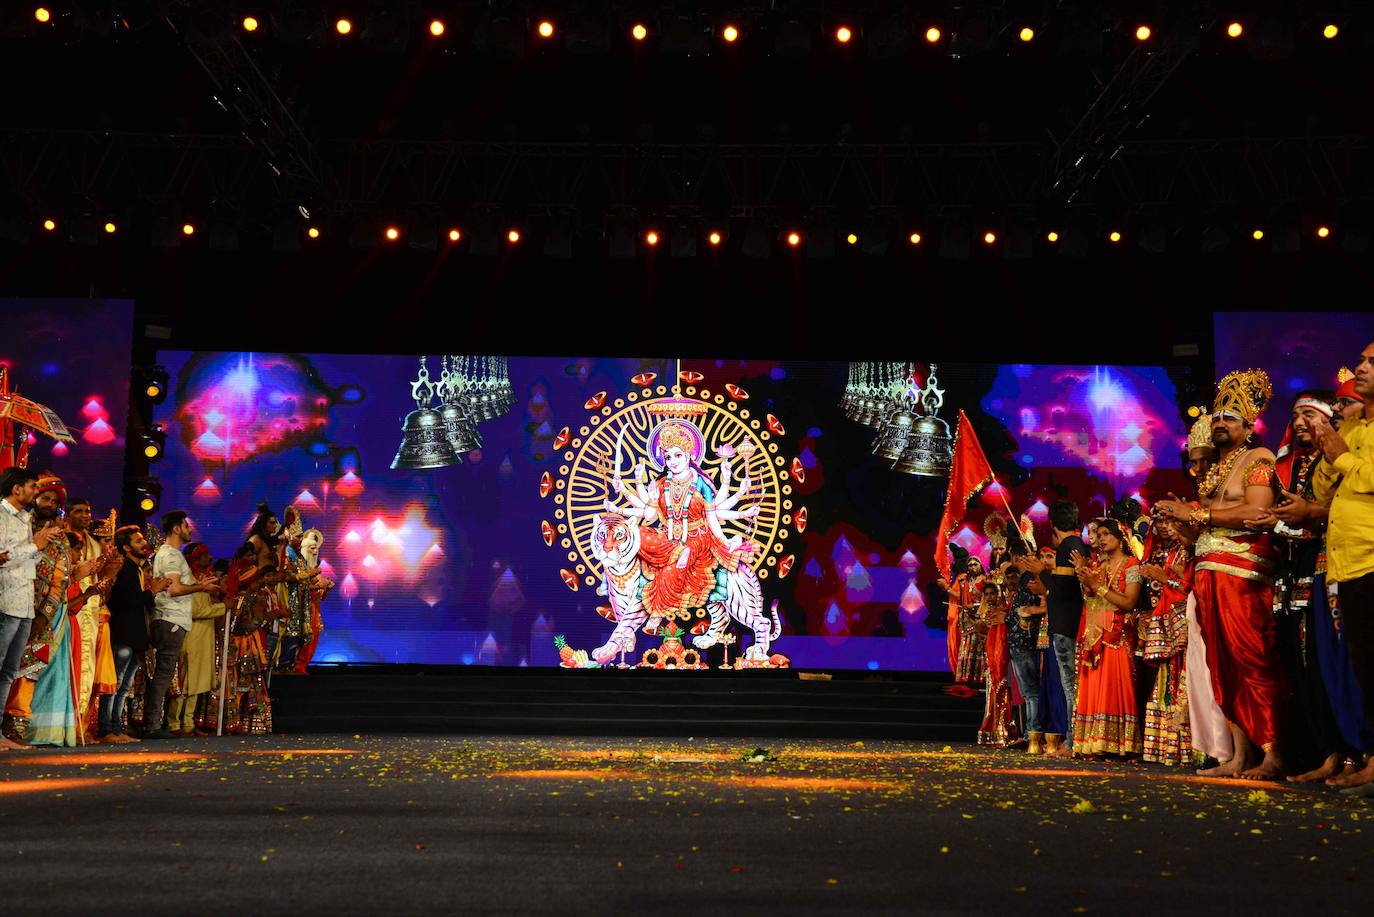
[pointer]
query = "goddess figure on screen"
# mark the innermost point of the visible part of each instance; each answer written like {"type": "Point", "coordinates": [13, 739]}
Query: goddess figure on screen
{"type": "Point", "coordinates": [666, 553]}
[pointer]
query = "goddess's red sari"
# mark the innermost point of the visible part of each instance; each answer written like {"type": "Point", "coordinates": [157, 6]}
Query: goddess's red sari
{"type": "Point", "coordinates": [672, 588]}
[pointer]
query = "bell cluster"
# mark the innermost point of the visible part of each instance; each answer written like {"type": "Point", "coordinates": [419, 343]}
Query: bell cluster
{"type": "Point", "coordinates": [911, 436]}
{"type": "Point", "coordinates": [443, 426]}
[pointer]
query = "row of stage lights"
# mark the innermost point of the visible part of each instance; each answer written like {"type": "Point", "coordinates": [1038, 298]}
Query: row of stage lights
{"type": "Point", "coordinates": [547, 29]}
{"type": "Point", "coordinates": [651, 238]}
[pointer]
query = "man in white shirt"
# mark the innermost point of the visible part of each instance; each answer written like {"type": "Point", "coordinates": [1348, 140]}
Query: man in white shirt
{"type": "Point", "coordinates": [19, 549]}
{"type": "Point", "coordinates": [171, 616]}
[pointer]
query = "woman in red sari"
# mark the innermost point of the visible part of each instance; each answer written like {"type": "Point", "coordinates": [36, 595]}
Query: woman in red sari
{"type": "Point", "coordinates": [1104, 720]}
{"type": "Point", "coordinates": [998, 727]}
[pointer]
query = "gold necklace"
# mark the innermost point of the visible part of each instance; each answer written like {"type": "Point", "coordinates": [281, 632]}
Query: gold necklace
{"type": "Point", "coordinates": [1219, 473]}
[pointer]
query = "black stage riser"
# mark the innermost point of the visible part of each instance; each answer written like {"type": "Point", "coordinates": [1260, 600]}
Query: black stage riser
{"type": "Point", "coordinates": [430, 699]}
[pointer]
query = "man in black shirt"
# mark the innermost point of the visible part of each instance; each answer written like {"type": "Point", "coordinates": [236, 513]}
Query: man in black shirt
{"type": "Point", "coordinates": [129, 603]}
{"type": "Point", "coordinates": [1065, 603]}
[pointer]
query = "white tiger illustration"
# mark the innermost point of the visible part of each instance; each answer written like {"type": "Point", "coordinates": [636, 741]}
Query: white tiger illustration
{"type": "Point", "coordinates": [615, 543]}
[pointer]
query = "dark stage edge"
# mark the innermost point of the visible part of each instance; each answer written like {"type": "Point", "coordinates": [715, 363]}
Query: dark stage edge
{"type": "Point", "coordinates": [495, 825]}
{"type": "Point", "coordinates": [466, 699]}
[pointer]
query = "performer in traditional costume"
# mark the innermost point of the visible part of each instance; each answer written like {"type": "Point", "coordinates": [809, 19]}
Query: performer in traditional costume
{"type": "Point", "coordinates": [1233, 580]}
{"type": "Point", "coordinates": [195, 676]}
{"type": "Point", "coordinates": [1170, 574]}
{"type": "Point", "coordinates": [320, 587]}
{"type": "Point", "coordinates": [997, 727]}
{"type": "Point", "coordinates": [241, 665]}
{"type": "Point", "coordinates": [1104, 718]}
{"type": "Point", "coordinates": [966, 644]}
{"type": "Point", "coordinates": [97, 662]}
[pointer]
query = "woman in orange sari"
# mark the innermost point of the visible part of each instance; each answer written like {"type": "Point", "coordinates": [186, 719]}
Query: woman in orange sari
{"type": "Point", "coordinates": [1104, 719]}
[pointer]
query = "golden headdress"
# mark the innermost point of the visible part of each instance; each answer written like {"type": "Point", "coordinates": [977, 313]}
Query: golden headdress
{"type": "Point", "coordinates": [995, 528]}
{"type": "Point", "coordinates": [676, 436]}
{"type": "Point", "coordinates": [1244, 393]}
{"type": "Point", "coordinates": [107, 527]}
{"type": "Point", "coordinates": [1345, 385]}
{"type": "Point", "coordinates": [1200, 436]}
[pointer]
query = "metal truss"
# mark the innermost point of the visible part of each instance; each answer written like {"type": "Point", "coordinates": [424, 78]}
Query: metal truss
{"type": "Point", "coordinates": [151, 171]}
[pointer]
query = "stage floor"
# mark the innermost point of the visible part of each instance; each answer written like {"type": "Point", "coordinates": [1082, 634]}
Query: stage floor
{"type": "Point", "coordinates": [354, 824]}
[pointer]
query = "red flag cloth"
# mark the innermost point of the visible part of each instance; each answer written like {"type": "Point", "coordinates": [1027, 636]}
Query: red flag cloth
{"type": "Point", "coordinates": [969, 473]}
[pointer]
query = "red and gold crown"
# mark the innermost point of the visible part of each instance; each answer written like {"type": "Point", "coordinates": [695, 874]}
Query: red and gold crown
{"type": "Point", "coordinates": [1345, 382]}
{"type": "Point", "coordinates": [676, 407]}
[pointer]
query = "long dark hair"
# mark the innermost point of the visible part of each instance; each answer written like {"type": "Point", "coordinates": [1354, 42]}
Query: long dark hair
{"type": "Point", "coordinates": [260, 526]}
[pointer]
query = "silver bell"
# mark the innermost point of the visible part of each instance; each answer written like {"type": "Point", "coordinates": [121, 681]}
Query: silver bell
{"type": "Point", "coordinates": [892, 441]}
{"type": "Point", "coordinates": [460, 428]}
{"type": "Point", "coordinates": [425, 442]}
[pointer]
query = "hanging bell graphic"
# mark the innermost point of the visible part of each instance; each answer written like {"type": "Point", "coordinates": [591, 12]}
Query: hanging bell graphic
{"type": "Point", "coordinates": [460, 428]}
{"type": "Point", "coordinates": [892, 441]}
{"type": "Point", "coordinates": [424, 441]}
{"type": "Point", "coordinates": [929, 450]}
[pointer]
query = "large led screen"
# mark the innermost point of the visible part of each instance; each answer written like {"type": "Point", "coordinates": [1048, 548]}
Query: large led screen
{"type": "Point", "coordinates": [817, 548]}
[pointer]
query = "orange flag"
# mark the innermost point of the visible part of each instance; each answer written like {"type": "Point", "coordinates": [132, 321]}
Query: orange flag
{"type": "Point", "coordinates": [969, 473]}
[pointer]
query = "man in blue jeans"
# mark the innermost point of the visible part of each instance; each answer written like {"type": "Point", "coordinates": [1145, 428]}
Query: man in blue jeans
{"type": "Point", "coordinates": [19, 549]}
{"type": "Point", "coordinates": [130, 603]}
{"type": "Point", "coordinates": [1065, 603]}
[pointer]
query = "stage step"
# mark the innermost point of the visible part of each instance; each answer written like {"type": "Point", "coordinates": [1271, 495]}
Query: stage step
{"type": "Point", "coordinates": [467, 699]}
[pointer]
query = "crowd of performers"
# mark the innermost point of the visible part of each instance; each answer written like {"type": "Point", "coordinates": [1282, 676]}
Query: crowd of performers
{"type": "Point", "coordinates": [109, 634]}
{"type": "Point", "coordinates": [1233, 631]}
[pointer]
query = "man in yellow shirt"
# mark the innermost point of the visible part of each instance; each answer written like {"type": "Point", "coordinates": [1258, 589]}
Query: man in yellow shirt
{"type": "Point", "coordinates": [1345, 480]}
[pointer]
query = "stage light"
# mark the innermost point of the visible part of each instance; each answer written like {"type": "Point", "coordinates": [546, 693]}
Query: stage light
{"type": "Point", "coordinates": [1235, 30]}
{"type": "Point", "coordinates": [188, 229]}
{"type": "Point", "coordinates": [1027, 33]}
{"type": "Point", "coordinates": [852, 239]}
{"type": "Point", "coordinates": [49, 225]}
{"type": "Point", "coordinates": [454, 235]}
{"type": "Point", "coordinates": [989, 237]}
{"type": "Point", "coordinates": [147, 504]}
{"type": "Point", "coordinates": [250, 24]}
{"type": "Point", "coordinates": [1114, 236]}
{"type": "Point", "coordinates": [1257, 234]}
{"type": "Point", "coordinates": [1142, 33]}
{"type": "Point", "coordinates": [639, 32]}
{"type": "Point", "coordinates": [714, 238]}
{"type": "Point", "coordinates": [914, 238]}
{"type": "Point", "coordinates": [1051, 237]}
{"type": "Point", "coordinates": [1331, 31]}
{"type": "Point", "coordinates": [343, 26]}
{"type": "Point", "coordinates": [546, 29]}
{"type": "Point", "coordinates": [436, 28]}
{"type": "Point", "coordinates": [152, 452]}
{"type": "Point", "coordinates": [392, 233]}
{"type": "Point", "coordinates": [730, 34]}
{"type": "Point", "coordinates": [1323, 232]}
{"type": "Point", "coordinates": [651, 238]}
{"type": "Point", "coordinates": [313, 232]}
{"type": "Point", "coordinates": [42, 14]}
{"type": "Point", "coordinates": [110, 228]}
{"type": "Point", "coordinates": [932, 35]}
{"type": "Point", "coordinates": [794, 239]}
{"type": "Point", "coordinates": [153, 390]}
{"type": "Point", "coordinates": [513, 236]}
{"type": "Point", "coordinates": [843, 34]}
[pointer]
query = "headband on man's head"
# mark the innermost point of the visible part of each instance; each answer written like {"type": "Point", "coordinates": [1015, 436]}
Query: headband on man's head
{"type": "Point", "coordinates": [1316, 404]}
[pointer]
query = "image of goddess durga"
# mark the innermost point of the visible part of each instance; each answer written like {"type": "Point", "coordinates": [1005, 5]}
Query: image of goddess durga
{"type": "Point", "coordinates": [686, 557]}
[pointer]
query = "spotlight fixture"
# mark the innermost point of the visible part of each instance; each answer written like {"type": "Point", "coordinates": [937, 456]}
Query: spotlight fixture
{"type": "Point", "coordinates": [110, 228]}
{"type": "Point", "coordinates": [513, 236]}
{"type": "Point", "coordinates": [1027, 34]}
{"type": "Point", "coordinates": [639, 32]}
{"type": "Point", "coordinates": [1114, 236]}
{"type": "Point", "coordinates": [1051, 237]}
{"type": "Point", "coordinates": [313, 232]}
{"type": "Point", "coordinates": [914, 238]}
{"type": "Point", "coordinates": [454, 235]}
{"type": "Point", "coordinates": [852, 238]}
{"type": "Point", "coordinates": [1257, 234]}
{"type": "Point", "coordinates": [343, 26]}
{"type": "Point", "coordinates": [1323, 232]}
{"type": "Point", "coordinates": [651, 238]}
{"type": "Point", "coordinates": [153, 381]}
{"type": "Point", "coordinates": [392, 233]}
{"type": "Point", "coordinates": [1142, 33]}
{"type": "Point", "coordinates": [1331, 30]}
{"type": "Point", "coordinates": [250, 24]}
{"type": "Point", "coordinates": [49, 225]}
{"type": "Point", "coordinates": [42, 14]}
{"type": "Point", "coordinates": [546, 29]}
{"type": "Point", "coordinates": [794, 239]}
{"type": "Point", "coordinates": [843, 34]}
{"type": "Point", "coordinates": [933, 35]}
{"type": "Point", "coordinates": [436, 27]}
{"type": "Point", "coordinates": [1235, 30]}
{"type": "Point", "coordinates": [730, 33]}
{"type": "Point", "coordinates": [989, 238]}
{"type": "Point", "coordinates": [188, 229]}
{"type": "Point", "coordinates": [154, 443]}
{"type": "Point", "coordinates": [714, 238]}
